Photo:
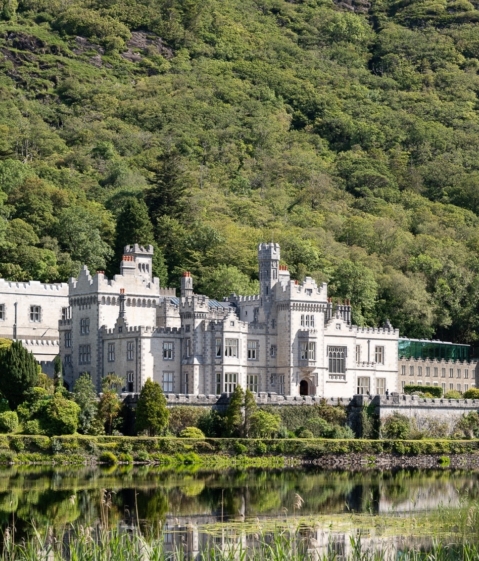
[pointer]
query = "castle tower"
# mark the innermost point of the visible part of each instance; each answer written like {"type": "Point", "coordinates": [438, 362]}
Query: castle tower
{"type": "Point", "coordinates": [186, 285]}
{"type": "Point", "coordinates": [138, 261]}
{"type": "Point", "coordinates": [268, 257]}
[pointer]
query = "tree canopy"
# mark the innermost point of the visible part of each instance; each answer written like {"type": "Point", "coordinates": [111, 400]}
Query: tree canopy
{"type": "Point", "coordinates": [350, 135]}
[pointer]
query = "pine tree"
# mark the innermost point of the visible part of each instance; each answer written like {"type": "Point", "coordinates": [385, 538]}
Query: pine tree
{"type": "Point", "coordinates": [18, 373]}
{"type": "Point", "coordinates": [151, 411]}
{"type": "Point", "coordinates": [167, 194]}
{"type": "Point", "coordinates": [133, 225]}
{"type": "Point", "coordinates": [234, 412]}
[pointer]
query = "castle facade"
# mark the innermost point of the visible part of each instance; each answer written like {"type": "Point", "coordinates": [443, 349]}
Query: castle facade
{"type": "Point", "coordinates": [289, 339]}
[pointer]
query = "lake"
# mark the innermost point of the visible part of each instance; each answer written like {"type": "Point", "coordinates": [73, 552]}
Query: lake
{"type": "Point", "coordinates": [190, 508]}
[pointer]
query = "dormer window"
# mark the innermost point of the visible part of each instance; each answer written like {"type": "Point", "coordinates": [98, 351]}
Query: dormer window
{"type": "Point", "coordinates": [309, 291]}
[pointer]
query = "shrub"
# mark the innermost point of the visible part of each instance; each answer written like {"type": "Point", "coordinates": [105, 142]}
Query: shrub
{"type": "Point", "coordinates": [305, 433]}
{"type": "Point", "coordinates": [192, 432]}
{"type": "Point", "coordinates": [17, 444]}
{"type": "Point", "coordinates": [396, 426]}
{"type": "Point", "coordinates": [32, 427]}
{"type": "Point", "coordinates": [125, 458]}
{"type": "Point", "coordinates": [143, 456]}
{"type": "Point", "coordinates": [184, 416]}
{"type": "Point", "coordinates": [434, 391]}
{"type": "Point", "coordinates": [240, 448]}
{"type": "Point", "coordinates": [473, 393]}
{"type": "Point", "coordinates": [453, 394]}
{"type": "Point", "coordinates": [8, 421]}
{"type": "Point", "coordinates": [261, 448]}
{"type": "Point", "coordinates": [108, 458]}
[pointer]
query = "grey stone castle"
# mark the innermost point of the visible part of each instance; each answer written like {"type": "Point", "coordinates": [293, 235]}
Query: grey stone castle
{"type": "Point", "coordinates": [289, 339]}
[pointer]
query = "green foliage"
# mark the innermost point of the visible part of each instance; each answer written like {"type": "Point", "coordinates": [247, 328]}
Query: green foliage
{"type": "Point", "coordinates": [264, 424]}
{"type": "Point", "coordinates": [60, 416]}
{"type": "Point", "coordinates": [472, 393]}
{"type": "Point", "coordinates": [234, 414]}
{"type": "Point", "coordinates": [184, 416]}
{"type": "Point", "coordinates": [453, 394]}
{"type": "Point", "coordinates": [434, 391]}
{"type": "Point", "coordinates": [85, 396]}
{"type": "Point", "coordinates": [108, 458]}
{"type": "Point", "coordinates": [467, 426]}
{"type": "Point", "coordinates": [8, 421]}
{"type": "Point", "coordinates": [192, 432]}
{"type": "Point", "coordinates": [396, 426]}
{"type": "Point", "coordinates": [151, 411]}
{"type": "Point", "coordinates": [18, 373]}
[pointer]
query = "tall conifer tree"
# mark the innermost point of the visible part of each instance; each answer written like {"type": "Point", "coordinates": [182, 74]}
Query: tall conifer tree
{"type": "Point", "coordinates": [18, 373]}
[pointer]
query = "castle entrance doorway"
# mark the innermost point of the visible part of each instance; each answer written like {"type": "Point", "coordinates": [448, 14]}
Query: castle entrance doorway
{"type": "Point", "coordinates": [303, 387]}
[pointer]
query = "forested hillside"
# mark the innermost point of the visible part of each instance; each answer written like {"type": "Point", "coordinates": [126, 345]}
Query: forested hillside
{"type": "Point", "coordinates": [348, 133]}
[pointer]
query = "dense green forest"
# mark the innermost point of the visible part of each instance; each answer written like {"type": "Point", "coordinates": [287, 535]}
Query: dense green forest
{"type": "Point", "coordinates": [348, 133]}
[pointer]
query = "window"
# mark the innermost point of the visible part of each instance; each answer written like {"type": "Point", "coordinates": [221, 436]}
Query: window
{"type": "Point", "coordinates": [218, 383]}
{"type": "Point", "coordinates": [458, 387]}
{"type": "Point", "coordinates": [167, 385]}
{"type": "Point", "coordinates": [466, 374]}
{"type": "Point", "coordinates": [188, 347]}
{"type": "Point", "coordinates": [443, 372]}
{"type": "Point", "coordinates": [252, 350]}
{"type": "Point", "coordinates": [451, 386]}
{"type": "Point", "coordinates": [435, 383]}
{"type": "Point", "coordinates": [428, 371]}
{"type": "Point", "coordinates": [309, 291]}
{"type": "Point", "coordinates": [230, 382]}
{"type": "Point", "coordinates": [111, 352]}
{"type": "Point", "coordinates": [337, 359]}
{"type": "Point", "coordinates": [2, 312]}
{"type": "Point", "coordinates": [167, 351]}
{"type": "Point", "coordinates": [84, 354]}
{"type": "Point", "coordinates": [466, 387]}
{"type": "Point", "coordinates": [302, 320]}
{"type": "Point", "coordinates": [84, 326]}
{"type": "Point", "coordinates": [187, 328]}
{"type": "Point", "coordinates": [403, 383]}
{"type": "Point", "coordinates": [436, 372]}
{"type": "Point", "coordinates": [253, 383]}
{"type": "Point", "coordinates": [443, 387]}
{"type": "Point", "coordinates": [231, 347]}
{"type": "Point", "coordinates": [358, 353]}
{"type": "Point", "coordinates": [380, 386]}
{"type": "Point", "coordinates": [451, 373]}
{"type": "Point", "coordinates": [307, 321]}
{"type": "Point", "coordinates": [273, 323]}
{"type": "Point", "coordinates": [129, 381]}
{"type": "Point", "coordinates": [363, 385]}
{"type": "Point", "coordinates": [68, 339]}
{"type": "Point", "coordinates": [68, 360]}
{"type": "Point", "coordinates": [65, 313]}
{"type": "Point", "coordinates": [130, 350]}
{"type": "Point", "coordinates": [35, 313]}
{"type": "Point", "coordinates": [411, 371]}
{"type": "Point", "coordinates": [403, 370]}
{"type": "Point", "coordinates": [419, 370]}
{"type": "Point", "coordinates": [281, 384]}
{"type": "Point", "coordinates": [303, 350]}
{"type": "Point", "coordinates": [272, 351]}
{"type": "Point", "coordinates": [458, 372]}
{"type": "Point", "coordinates": [419, 383]}
{"type": "Point", "coordinates": [311, 321]}
{"type": "Point", "coordinates": [218, 347]}
{"type": "Point", "coordinates": [379, 355]}
{"type": "Point", "coordinates": [311, 350]}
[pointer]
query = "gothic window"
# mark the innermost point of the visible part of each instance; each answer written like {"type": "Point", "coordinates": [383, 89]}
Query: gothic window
{"type": "Point", "coordinates": [167, 351]}
{"type": "Point", "coordinates": [379, 355]}
{"type": "Point", "coordinates": [253, 383]}
{"type": "Point", "coordinates": [443, 372]}
{"type": "Point", "coordinates": [466, 374]}
{"type": "Point", "coordinates": [364, 385]}
{"type": "Point", "coordinates": [436, 372]}
{"type": "Point", "coordinates": [111, 352]}
{"type": "Point", "coordinates": [231, 347]}
{"type": "Point", "coordinates": [188, 347]}
{"type": "Point", "coordinates": [451, 374]}
{"type": "Point", "coordinates": [458, 372]}
{"type": "Point", "coordinates": [281, 384]}
{"type": "Point", "coordinates": [68, 339]}
{"type": "Point", "coordinates": [419, 370]}
{"type": "Point", "coordinates": [84, 326]}
{"type": "Point", "coordinates": [218, 345]}
{"type": "Point", "coordinates": [337, 360]}
{"type": "Point", "coordinates": [272, 351]}
{"type": "Point", "coordinates": [218, 384]}
{"type": "Point", "coordinates": [130, 350]}
{"type": "Point", "coordinates": [381, 386]}
{"type": "Point", "coordinates": [411, 371]}
{"type": "Point", "coordinates": [2, 312]}
{"type": "Point", "coordinates": [428, 371]}
{"type": "Point", "coordinates": [129, 381]}
{"type": "Point", "coordinates": [35, 313]}
{"type": "Point", "coordinates": [303, 323]}
{"type": "Point", "coordinates": [231, 380]}
{"type": "Point", "coordinates": [303, 350]}
{"type": "Point", "coordinates": [252, 350]}
{"type": "Point", "coordinates": [311, 351]}
{"type": "Point", "coordinates": [168, 379]}
{"type": "Point", "coordinates": [403, 370]}
{"type": "Point", "coordinates": [84, 354]}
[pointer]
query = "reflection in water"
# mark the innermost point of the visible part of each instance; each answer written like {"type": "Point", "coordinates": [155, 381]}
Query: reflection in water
{"type": "Point", "coordinates": [178, 503]}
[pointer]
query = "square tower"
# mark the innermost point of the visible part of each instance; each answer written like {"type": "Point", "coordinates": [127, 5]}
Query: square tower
{"type": "Point", "coordinates": [268, 258]}
{"type": "Point", "coordinates": [137, 261]}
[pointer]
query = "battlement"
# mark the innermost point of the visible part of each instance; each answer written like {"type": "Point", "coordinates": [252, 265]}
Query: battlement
{"type": "Point", "coordinates": [238, 299]}
{"type": "Point", "coordinates": [43, 342]}
{"type": "Point", "coordinates": [440, 361]}
{"type": "Point", "coordinates": [138, 249]}
{"type": "Point", "coordinates": [375, 330]}
{"type": "Point", "coordinates": [36, 287]}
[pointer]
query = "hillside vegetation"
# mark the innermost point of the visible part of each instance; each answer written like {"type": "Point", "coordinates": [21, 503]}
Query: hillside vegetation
{"type": "Point", "coordinates": [347, 133]}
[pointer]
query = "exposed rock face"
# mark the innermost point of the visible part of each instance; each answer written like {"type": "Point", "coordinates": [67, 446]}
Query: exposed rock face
{"type": "Point", "coordinates": [358, 6]}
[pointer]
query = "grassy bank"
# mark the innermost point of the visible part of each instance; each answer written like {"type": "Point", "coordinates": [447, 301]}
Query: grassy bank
{"type": "Point", "coordinates": [217, 451]}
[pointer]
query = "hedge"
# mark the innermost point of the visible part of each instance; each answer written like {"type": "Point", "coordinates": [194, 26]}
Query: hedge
{"type": "Point", "coordinates": [435, 391]}
{"type": "Point", "coordinates": [77, 449]}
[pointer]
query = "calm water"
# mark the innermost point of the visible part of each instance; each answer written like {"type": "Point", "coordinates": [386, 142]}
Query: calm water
{"type": "Point", "coordinates": [180, 501]}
